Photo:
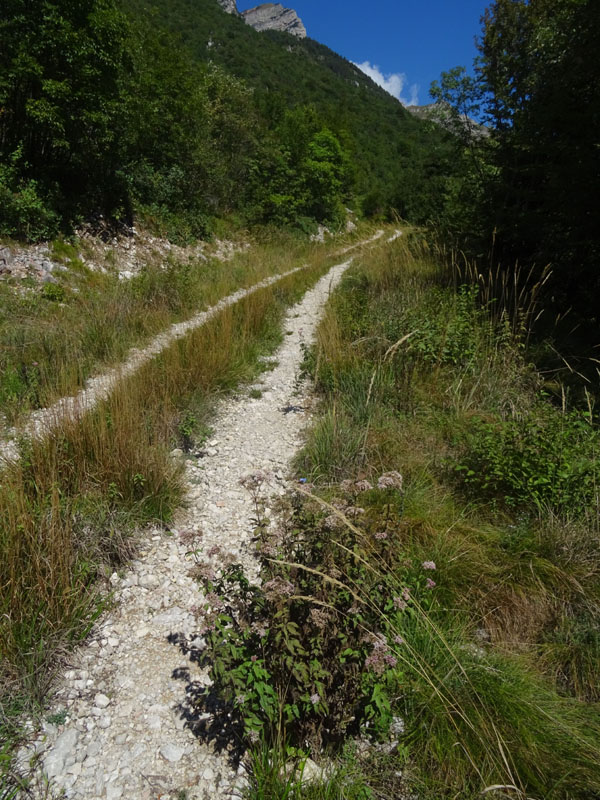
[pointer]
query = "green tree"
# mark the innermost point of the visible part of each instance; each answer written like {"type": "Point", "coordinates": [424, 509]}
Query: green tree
{"type": "Point", "coordinates": [60, 65]}
{"type": "Point", "coordinates": [540, 69]}
{"type": "Point", "coordinates": [190, 135]}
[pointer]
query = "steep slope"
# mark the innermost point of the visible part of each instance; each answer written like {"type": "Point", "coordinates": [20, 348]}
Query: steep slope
{"type": "Point", "coordinates": [442, 114]}
{"type": "Point", "coordinates": [389, 147]}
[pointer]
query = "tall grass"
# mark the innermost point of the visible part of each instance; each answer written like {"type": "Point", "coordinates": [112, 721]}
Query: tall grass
{"type": "Point", "coordinates": [509, 294]}
{"type": "Point", "coordinates": [53, 338]}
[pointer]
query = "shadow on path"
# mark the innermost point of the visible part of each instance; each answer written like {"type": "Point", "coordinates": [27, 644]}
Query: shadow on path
{"type": "Point", "coordinates": [211, 720]}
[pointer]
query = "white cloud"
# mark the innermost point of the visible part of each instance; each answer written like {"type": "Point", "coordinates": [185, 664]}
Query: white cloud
{"type": "Point", "coordinates": [394, 83]}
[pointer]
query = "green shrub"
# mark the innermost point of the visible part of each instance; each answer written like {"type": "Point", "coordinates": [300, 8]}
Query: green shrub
{"type": "Point", "coordinates": [24, 214]}
{"type": "Point", "coordinates": [447, 326]}
{"type": "Point", "coordinates": [316, 644]}
{"type": "Point", "coordinates": [545, 458]}
{"type": "Point", "coordinates": [53, 292]}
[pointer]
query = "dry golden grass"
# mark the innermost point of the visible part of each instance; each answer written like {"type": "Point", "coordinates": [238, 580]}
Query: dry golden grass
{"type": "Point", "coordinates": [49, 348]}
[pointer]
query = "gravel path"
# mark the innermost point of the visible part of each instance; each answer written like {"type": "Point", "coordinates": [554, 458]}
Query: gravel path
{"type": "Point", "coordinates": [44, 420]}
{"type": "Point", "coordinates": [122, 727]}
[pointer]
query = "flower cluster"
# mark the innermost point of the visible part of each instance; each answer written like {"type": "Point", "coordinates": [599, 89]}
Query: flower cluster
{"type": "Point", "coordinates": [319, 617]}
{"type": "Point", "coordinates": [390, 480]}
{"type": "Point", "coordinates": [400, 604]}
{"type": "Point", "coordinates": [255, 480]}
{"type": "Point", "coordinates": [259, 629]}
{"type": "Point", "coordinates": [190, 536]}
{"type": "Point", "coordinates": [381, 658]}
{"type": "Point", "coordinates": [268, 549]}
{"type": "Point", "coordinates": [206, 572]}
{"type": "Point", "coordinates": [215, 601]}
{"type": "Point", "coordinates": [354, 511]}
{"type": "Point", "coordinates": [277, 587]}
{"type": "Point", "coordinates": [331, 522]}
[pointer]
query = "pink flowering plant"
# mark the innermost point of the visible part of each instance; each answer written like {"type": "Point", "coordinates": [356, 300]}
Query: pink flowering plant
{"type": "Point", "coordinates": [322, 643]}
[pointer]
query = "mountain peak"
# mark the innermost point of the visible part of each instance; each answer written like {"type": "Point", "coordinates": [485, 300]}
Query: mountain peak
{"type": "Point", "coordinates": [274, 17]}
{"type": "Point", "coordinates": [268, 17]}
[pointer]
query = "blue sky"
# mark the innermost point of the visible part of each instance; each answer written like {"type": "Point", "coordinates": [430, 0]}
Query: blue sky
{"type": "Point", "coordinates": [412, 41]}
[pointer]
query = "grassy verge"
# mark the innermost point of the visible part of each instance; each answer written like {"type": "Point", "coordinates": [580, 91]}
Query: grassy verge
{"type": "Point", "coordinates": [70, 507]}
{"type": "Point", "coordinates": [430, 606]}
{"type": "Point", "coordinates": [57, 335]}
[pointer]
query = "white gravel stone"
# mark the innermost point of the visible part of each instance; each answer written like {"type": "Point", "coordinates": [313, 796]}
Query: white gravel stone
{"type": "Point", "coordinates": [171, 752]}
{"type": "Point", "coordinates": [101, 700]}
{"type": "Point", "coordinates": [54, 762]}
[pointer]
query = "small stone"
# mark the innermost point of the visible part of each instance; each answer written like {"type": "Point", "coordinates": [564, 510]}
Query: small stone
{"type": "Point", "coordinates": [311, 772]}
{"type": "Point", "coordinates": [101, 700]}
{"type": "Point", "coordinates": [397, 727]}
{"type": "Point", "coordinates": [104, 722]}
{"type": "Point", "coordinates": [63, 747]}
{"type": "Point", "coordinates": [170, 752]}
{"type": "Point", "coordinates": [49, 729]}
{"type": "Point", "coordinates": [113, 792]}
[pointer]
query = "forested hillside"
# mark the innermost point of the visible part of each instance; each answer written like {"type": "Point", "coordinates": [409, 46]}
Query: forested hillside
{"type": "Point", "coordinates": [181, 113]}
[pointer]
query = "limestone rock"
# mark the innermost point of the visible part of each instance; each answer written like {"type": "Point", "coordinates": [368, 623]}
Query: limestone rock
{"type": "Point", "coordinates": [170, 752]}
{"type": "Point", "coordinates": [230, 6]}
{"type": "Point", "coordinates": [274, 17]}
{"type": "Point", "coordinates": [54, 762]}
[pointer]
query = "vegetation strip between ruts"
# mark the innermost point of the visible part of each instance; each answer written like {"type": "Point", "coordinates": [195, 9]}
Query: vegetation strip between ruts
{"type": "Point", "coordinates": [100, 386]}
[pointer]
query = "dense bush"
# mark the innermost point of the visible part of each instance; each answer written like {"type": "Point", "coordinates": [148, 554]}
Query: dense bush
{"type": "Point", "coordinates": [544, 458]}
{"type": "Point", "coordinates": [25, 214]}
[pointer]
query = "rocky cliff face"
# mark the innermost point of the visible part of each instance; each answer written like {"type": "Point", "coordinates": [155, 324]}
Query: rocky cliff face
{"type": "Point", "coordinates": [274, 17]}
{"type": "Point", "coordinates": [440, 113]}
{"type": "Point", "coordinates": [230, 6]}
